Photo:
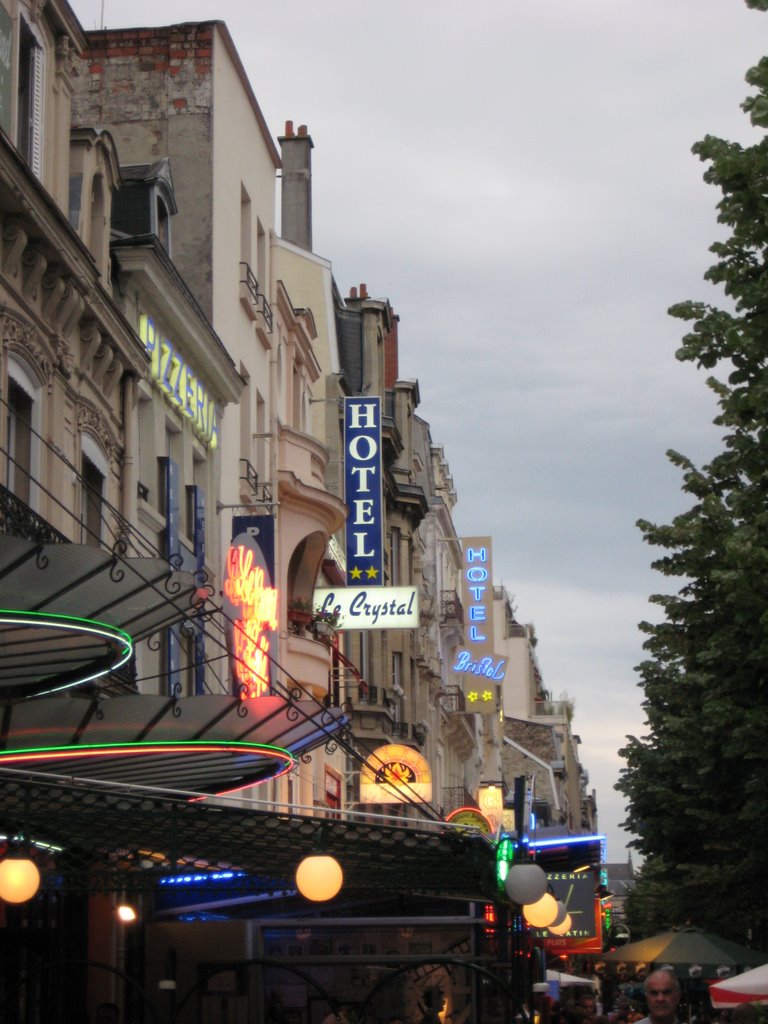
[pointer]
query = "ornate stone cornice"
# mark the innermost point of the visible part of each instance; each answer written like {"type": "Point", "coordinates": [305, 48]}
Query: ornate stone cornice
{"type": "Point", "coordinates": [18, 335]}
{"type": "Point", "coordinates": [91, 419]}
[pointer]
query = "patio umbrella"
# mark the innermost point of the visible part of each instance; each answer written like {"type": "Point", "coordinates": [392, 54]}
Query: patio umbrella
{"type": "Point", "coordinates": [750, 987]}
{"type": "Point", "coordinates": [566, 980]}
{"type": "Point", "coordinates": [684, 948]}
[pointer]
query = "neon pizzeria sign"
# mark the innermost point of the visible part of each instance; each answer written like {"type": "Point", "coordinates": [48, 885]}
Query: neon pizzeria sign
{"type": "Point", "coordinates": [182, 388]}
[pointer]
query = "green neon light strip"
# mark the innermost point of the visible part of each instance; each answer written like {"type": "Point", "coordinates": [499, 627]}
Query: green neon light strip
{"type": "Point", "coordinates": [171, 746]}
{"type": "Point", "coordinates": [94, 750]}
{"type": "Point", "coordinates": [74, 624]}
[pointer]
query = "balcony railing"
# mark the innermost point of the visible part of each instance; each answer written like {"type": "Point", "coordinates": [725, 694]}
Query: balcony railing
{"type": "Point", "coordinates": [249, 282]}
{"type": "Point", "coordinates": [452, 700]}
{"type": "Point", "coordinates": [18, 520]}
{"type": "Point", "coordinates": [451, 608]}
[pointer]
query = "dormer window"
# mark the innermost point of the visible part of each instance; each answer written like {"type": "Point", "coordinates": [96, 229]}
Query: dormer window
{"type": "Point", "coordinates": [145, 203]}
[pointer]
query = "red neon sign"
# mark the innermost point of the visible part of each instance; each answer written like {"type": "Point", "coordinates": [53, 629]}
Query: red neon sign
{"type": "Point", "coordinates": [256, 607]}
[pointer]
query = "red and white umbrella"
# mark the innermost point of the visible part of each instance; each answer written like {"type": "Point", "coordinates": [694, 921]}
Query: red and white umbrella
{"type": "Point", "coordinates": [749, 987]}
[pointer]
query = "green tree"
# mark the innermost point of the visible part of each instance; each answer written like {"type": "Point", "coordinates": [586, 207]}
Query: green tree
{"type": "Point", "coordinates": [697, 783]}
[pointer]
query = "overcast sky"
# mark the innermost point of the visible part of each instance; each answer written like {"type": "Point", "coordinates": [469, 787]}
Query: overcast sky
{"type": "Point", "coordinates": [516, 177]}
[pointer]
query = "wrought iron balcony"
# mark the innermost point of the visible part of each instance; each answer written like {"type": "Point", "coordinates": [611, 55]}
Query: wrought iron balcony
{"type": "Point", "coordinates": [17, 519]}
{"type": "Point", "coordinates": [452, 700]}
{"type": "Point", "coordinates": [451, 608]}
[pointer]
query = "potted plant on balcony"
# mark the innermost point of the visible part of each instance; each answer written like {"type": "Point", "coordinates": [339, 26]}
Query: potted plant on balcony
{"type": "Point", "coordinates": [300, 613]}
{"type": "Point", "coordinates": [325, 622]}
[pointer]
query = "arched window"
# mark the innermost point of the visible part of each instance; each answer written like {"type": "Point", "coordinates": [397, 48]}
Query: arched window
{"type": "Point", "coordinates": [22, 431]}
{"type": "Point", "coordinates": [93, 477]}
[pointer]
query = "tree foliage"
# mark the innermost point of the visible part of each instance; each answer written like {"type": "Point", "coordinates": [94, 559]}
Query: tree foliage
{"type": "Point", "coordinates": [697, 783]}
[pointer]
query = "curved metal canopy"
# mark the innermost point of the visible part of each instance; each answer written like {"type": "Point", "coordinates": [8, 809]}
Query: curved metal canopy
{"type": "Point", "coordinates": [137, 595]}
{"type": "Point", "coordinates": [208, 745]}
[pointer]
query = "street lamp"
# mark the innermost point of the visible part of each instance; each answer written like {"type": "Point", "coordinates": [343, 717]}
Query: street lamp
{"type": "Point", "coordinates": [525, 883]}
{"type": "Point", "coordinates": [19, 879]}
{"type": "Point", "coordinates": [319, 877]}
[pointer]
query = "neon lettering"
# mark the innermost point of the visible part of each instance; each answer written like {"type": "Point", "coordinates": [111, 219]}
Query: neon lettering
{"type": "Point", "coordinates": [483, 667]}
{"type": "Point", "coordinates": [176, 379]}
{"type": "Point", "coordinates": [244, 586]}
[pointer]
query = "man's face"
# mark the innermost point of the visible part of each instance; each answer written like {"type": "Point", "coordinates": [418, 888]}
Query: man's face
{"type": "Point", "coordinates": [663, 997]}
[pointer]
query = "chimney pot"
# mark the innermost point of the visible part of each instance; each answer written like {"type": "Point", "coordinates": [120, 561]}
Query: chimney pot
{"type": "Point", "coordinates": [353, 292]}
{"type": "Point", "coordinates": [363, 291]}
{"type": "Point", "coordinates": [289, 128]}
{"type": "Point", "coordinates": [302, 129]}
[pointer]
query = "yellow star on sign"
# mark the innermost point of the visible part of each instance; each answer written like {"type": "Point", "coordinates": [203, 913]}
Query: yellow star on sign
{"type": "Point", "coordinates": [372, 573]}
{"type": "Point", "coordinates": [356, 574]}
{"type": "Point", "coordinates": [487, 695]}
{"type": "Point", "coordinates": [473, 695]}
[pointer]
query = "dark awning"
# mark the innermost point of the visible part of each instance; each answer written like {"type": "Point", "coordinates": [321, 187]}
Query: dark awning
{"type": "Point", "coordinates": [117, 838]}
{"type": "Point", "coordinates": [75, 584]}
{"type": "Point", "coordinates": [208, 744]}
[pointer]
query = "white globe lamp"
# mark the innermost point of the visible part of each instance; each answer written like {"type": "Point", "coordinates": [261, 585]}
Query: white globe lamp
{"type": "Point", "coordinates": [19, 879]}
{"type": "Point", "coordinates": [525, 883]}
{"type": "Point", "coordinates": [563, 928]}
{"type": "Point", "coordinates": [541, 913]}
{"type": "Point", "coordinates": [319, 877]}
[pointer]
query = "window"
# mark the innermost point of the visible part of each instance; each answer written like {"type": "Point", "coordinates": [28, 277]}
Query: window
{"type": "Point", "coordinates": [93, 476]}
{"type": "Point", "coordinates": [22, 431]}
{"type": "Point", "coordinates": [92, 500]}
{"type": "Point", "coordinates": [19, 442]}
{"type": "Point", "coordinates": [397, 672]}
{"type": "Point", "coordinates": [332, 790]}
{"type": "Point", "coordinates": [163, 221]}
{"type": "Point", "coordinates": [30, 104]}
{"type": "Point", "coordinates": [395, 538]}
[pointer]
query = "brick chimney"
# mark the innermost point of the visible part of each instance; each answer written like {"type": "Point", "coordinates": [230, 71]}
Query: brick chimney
{"type": "Point", "coordinates": [296, 195]}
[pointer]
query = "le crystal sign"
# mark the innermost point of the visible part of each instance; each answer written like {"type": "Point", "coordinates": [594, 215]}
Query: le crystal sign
{"type": "Point", "coordinates": [377, 608]}
{"type": "Point", "coordinates": [363, 491]}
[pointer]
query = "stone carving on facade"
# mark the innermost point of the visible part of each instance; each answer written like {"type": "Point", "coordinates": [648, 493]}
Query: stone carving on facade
{"type": "Point", "coordinates": [14, 243]}
{"type": "Point", "coordinates": [90, 342]}
{"type": "Point", "coordinates": [36, 10]}
{"type": "Point", "coordinates": [92, 420]}
{"type": "Point", "coordinates": [35, 264]}
{"type": "Point", "coordinates": [20, 336]}
{"type": "Point", "coordinates": [67, 62]}
{"type": "Point", "coordinates": [65, 359]}
{"type": "Point", "coordinates": [54, 290]}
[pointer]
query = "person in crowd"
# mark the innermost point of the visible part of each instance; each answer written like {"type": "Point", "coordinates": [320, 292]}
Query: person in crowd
{"type": "Point", "coordinates": [662, 993]}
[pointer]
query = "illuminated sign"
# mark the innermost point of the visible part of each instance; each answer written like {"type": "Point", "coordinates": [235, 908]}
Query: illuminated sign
{"type": "Point", "coordinates": [576, 891]}
{"type": "Point", "coordinates": [250, 603]}
{"type": "Point", "coordinates": [379, 608]}
{"type": "Point", "coordinates": [395, 774]}
{"type": "Point", "coordinates": [491, 800]}
{"type": "Point", "coordinates": [480, 668]}
{"type": "Point", "coordinates": [363, 491]}
{"type": "Point", "coordinates": [470, 816]}
{"type": "Point", "coordinates": [181, 387]}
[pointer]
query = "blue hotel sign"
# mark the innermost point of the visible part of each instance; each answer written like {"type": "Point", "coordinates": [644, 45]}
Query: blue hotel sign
{"type": "Point", "coordinates": [363, 491]}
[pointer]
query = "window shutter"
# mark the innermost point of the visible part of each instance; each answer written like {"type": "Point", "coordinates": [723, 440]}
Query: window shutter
{"type": "Point", "coordinates": [36, 112]}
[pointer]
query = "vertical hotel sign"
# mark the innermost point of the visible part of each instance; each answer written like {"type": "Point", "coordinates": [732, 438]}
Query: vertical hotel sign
{"type": "Point", "coordinates": [363, 491]}
{"type": "Point", "coordinates": [250, 603]}
{"type": "Point", "coordinates": [480, 670]}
